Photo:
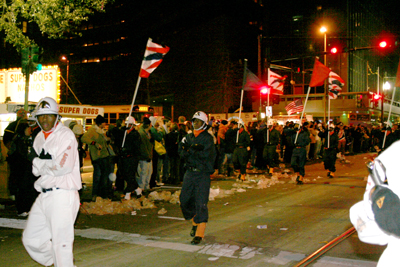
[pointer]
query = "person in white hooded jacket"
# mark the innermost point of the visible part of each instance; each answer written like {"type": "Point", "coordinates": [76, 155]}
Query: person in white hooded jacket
{"type": "Point", "coordinates": [377, 217]}
{"type": "Point", "coordinates": [49, 233]}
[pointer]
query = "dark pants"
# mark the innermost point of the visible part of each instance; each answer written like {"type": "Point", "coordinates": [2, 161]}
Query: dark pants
{"type": "Point", "coordinates": [153, 178]}
{"type": "Point", "coordinates": [174, 170]}
{"type": "Point", "coordinates": [194, 196]}
{"type": "Point", "coordinates": [288, 154]}
{"type": "Point", "coordinates": [240, 159]}
{"type": "Point", "coordinates": [299, 158]}
{"type": "Point", "coordinates": [330, 159]}
{"type": "Point", "coordinates": [101, 170]}
{"type": "Point", "coordinates": [269, 154]}
{"type": "Point", "coordinates": [129, 166]}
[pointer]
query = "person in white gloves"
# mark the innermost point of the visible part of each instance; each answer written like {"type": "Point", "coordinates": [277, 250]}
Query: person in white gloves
{"type": "Point", "coordinates": [377, 217]}
{"type": "Point", "coordinates": [49, 233]}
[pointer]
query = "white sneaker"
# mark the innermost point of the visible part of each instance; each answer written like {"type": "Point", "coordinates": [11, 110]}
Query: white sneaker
{"type": "Point", "coordinates": [138, 191]}
{"type": "Point", "coordinates": [128, 196]}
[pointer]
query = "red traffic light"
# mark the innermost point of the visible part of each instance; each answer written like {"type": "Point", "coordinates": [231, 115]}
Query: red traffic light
{"type": "Point", "coordinates": [334, 50]}
{"type": "Point", "coordinates": [382, 44]}
{"type": "Point", "coordinates": [264, 90]}
{"type": "Point", "coordinates": [377, 96]}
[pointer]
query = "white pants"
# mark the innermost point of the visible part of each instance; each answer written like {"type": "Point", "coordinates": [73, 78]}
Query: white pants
{"type": "Point", "coordinates": [49, 233]}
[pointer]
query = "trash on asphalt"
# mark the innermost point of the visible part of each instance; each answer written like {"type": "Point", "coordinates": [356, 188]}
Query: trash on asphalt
{"type": "Point", "coordinates": [162, 211]}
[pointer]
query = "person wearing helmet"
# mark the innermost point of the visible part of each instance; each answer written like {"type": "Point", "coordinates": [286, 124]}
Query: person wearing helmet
{"type": "Point", "coordinates": [198, 151]}
{"type": "Point", "coordinates": [49, 233]}
{"type": "Point", "coordinates": [272, 139]}
{"type": "Point", "coordinates": [129, 159]}
{"type": "Point", "coordinates": [301, 139]}
{"type": "Point", "coordinates": [330, 149]}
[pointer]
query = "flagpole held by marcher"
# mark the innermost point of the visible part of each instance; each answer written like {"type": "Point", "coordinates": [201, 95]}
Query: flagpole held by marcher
{"type": "Point", "coordinates": [329, 116]}
{"type": "Point", "coordinates": [302, 114]}
{"type": "Point", "coordinates": [388, 120]}
{"type": "Point", "coordinates": [241, 95]}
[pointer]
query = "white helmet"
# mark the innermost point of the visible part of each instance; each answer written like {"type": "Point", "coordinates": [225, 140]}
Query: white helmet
{"type": "Point", "coordinates": [130, 120]}
{"type": "Point", "coordinates": [203, 117]}
{"type": "Point", "coordinates": [46, 105]}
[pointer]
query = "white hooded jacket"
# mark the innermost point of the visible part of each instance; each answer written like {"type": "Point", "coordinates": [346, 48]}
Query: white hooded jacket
{"type": "Point", "coordinates": [62, 171]}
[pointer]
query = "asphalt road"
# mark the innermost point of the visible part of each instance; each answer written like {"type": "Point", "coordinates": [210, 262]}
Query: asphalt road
{"type": "Point", "coordinates": [295, 221]}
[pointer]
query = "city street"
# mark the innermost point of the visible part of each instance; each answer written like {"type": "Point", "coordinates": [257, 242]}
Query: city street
{"type": "Point", "coordinates": [276, 226]}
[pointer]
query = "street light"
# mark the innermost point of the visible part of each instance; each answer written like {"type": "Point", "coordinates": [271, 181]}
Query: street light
{"type": "Point", "coordinates": [64, 58]}
{"type": "Point", "coordinates": [323, 29]}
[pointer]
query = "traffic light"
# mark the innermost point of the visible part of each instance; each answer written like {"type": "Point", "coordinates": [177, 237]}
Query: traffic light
{"type": "Point", "coordinates": [276, 99]}
{"type": "Point", "coordinates": [334, 50]}
{"type": "Point", "coordinates": [25, 56]}
{"type": "Point", "coordinates": [383, 44]}
{"type": "Point", "coordinates": [375, 99]}
{"type": "Point", "coordinates": [264, 90]}
{"type": "Point", "coordinates": [36, 53]}
{"type": "Point", "coordinates": [359, 101]}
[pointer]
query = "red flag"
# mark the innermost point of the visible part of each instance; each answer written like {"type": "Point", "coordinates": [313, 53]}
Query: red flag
{"type": "Point", "coordinates": [397, 84]}
{"type": "Point", "coordinates": [320, 73]}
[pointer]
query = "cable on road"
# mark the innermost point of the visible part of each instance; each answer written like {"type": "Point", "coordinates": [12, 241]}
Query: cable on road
{"type": "Point", "coordinates": [321, 251]}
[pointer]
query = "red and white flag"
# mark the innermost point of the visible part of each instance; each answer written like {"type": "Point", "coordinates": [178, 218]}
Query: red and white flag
{"type": "Point", "coordinates": [335, 85]}
{"type": "Point", "coordinates": [276, 82]}
{"type": "Point", "coordinates": [153, 57]}
{"type": "Point", "coordinates": [294, 106]}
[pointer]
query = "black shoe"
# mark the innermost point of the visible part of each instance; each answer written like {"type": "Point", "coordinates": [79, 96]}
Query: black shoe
{"type": "Point", "coordinates": [196, 240]}
{"type": "Point", "coordinates": [193, 231]}
{"type": "Point", "coordinates": [299, 182]}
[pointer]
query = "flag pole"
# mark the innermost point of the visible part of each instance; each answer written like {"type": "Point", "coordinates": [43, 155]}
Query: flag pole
{"type": "Point", "coordinates": [390, 111]}
{"type": "Point", "coordinates": [269, 92]}
{"type": "Point", "coordinates": [241, 96]}
{"type": "Point", "coordinates": [302, 113]}
{"type": "Point", "coordinates": [329, 116]}
{"type": "Point", "coordinates": [133, 102]}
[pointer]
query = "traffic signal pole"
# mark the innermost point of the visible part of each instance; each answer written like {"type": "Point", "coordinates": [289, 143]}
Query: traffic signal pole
{"type": "Point", "coordinates": [27, 88]}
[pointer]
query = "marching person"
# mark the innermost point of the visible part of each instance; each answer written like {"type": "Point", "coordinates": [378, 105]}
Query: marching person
{"type": "Point", "coordinates": [240, 154]}
{"type": "Point", "coordinates": [271, 139]}
{"type": "Point", "coordinates": [299, 155]}
{"type": "Point", "coordinates": [330, 149]}
{"type": "Point", "coordinates": [49, 233]}
{"type": "Point", "coordinates": [198, 151]}
{"type": "Point", "coordinates": [129, 158]}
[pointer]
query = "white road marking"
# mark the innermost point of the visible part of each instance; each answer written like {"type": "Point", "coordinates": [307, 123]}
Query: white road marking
{"type": "Point", "coordinates": [216, 250]}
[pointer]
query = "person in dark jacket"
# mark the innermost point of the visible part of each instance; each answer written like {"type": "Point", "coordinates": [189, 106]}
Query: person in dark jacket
{"type": "Point", "coordinates": [171, 145]}
{"type": "Point", "coordinates": [272, 138]}
{"type": "Point", "coordinates": [240, 154]}
{"type": "Point", "coordinates": [26, 194]}
{"type": "Point", "coordinates": [198, 151]}
{"type": "Point", "coordinates": [301, 139]}
{"type": "Point", "coordinates": [330, 149]}
{"type": "Point", "coordinates": [129, 159]}
{"type": "Point", "coordinates": [230, 144]}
